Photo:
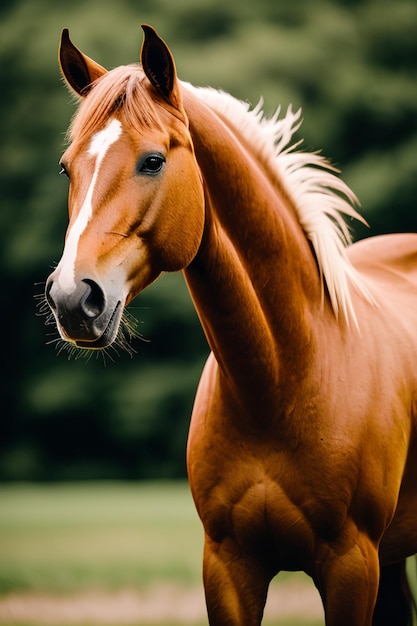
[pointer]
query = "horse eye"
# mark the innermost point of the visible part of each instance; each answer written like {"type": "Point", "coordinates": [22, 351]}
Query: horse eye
{"type": "Point", "coordinates": [150, 164]}
{"type": "Point", "coordinates": [63, 170]}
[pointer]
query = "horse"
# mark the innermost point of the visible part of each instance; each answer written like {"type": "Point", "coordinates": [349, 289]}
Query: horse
{"type": "Point", "coordinates": [302, 448]}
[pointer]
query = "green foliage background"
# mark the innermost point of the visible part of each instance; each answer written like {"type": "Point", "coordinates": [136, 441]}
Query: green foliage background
{"type": "Point", "coordinates": [352, 67]}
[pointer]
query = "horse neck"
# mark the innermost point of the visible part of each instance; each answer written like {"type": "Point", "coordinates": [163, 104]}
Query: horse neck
{"type": "Point", "coordinates": [255, 279]}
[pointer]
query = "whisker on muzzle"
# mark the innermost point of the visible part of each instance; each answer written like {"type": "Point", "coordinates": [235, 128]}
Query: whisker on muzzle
{"type": "Point", "coordinates": [126, 334]}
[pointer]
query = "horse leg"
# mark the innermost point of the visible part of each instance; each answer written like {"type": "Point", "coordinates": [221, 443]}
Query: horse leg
{"type": "Point", "coordinates": [235, 585]}
{"type": "Point", "coordinates": [394, 605]}
{"type": "Point", "coordinates": [347, 579]}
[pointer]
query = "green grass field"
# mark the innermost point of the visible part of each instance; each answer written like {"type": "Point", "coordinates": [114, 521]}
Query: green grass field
{"type": "Point", "coordinates": [67, 536]}
{"type": "Point", "coordinates": [68, 540]}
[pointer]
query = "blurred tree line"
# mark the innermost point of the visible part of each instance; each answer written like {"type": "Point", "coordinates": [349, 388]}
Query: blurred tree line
{"type": "Point", "coordinates": [350, 64]}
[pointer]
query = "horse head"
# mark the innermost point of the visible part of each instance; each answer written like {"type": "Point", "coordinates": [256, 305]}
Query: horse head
{"type": "Point", "coordinates": [136, 205]}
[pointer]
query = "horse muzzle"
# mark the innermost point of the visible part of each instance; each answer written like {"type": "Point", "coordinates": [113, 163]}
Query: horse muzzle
{"type": "Point", "coordinates": [85, 316]}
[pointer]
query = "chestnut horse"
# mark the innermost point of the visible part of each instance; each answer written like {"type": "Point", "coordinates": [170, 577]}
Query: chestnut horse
{"type": "Point", "coordinates": [302, 452]}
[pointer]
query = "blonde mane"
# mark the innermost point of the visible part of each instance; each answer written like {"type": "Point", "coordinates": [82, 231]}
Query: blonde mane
{"type": "Point", "coordinates": [320, 198]}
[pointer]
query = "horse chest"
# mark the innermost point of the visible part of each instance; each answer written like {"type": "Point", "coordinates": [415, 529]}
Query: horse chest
{"type": "Point", "coordinates": [240, 503]}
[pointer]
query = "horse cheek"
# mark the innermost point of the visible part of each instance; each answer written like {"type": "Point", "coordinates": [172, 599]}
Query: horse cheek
{"type": "Point", "coordinates": [181, 225]}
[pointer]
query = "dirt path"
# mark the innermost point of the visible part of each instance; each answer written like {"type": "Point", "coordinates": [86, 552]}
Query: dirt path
{"type": "Point", "coordinates": [158, 604]}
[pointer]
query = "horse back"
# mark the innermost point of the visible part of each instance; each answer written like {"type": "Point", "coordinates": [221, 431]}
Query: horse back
{"type": "Point", "coordinates": [387, 259]}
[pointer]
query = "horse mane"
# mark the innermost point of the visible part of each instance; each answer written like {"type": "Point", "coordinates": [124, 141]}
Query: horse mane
{"type": "Point", "coordinates": [320, 198]}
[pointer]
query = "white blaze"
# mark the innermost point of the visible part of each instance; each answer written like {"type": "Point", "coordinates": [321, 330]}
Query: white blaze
{"type": "Point", "coordinates": [99, 145]}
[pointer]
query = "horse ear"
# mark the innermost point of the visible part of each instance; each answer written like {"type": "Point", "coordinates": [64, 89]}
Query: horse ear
{"type": "Point", "coordinates": [78, 69]}
{"type": "Point", "coordinates": [158, 65]}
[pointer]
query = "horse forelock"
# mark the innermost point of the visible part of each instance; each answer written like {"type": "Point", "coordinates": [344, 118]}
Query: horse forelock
{"type": "Point", "coordinates": [120, 92]}
{"type": "Point", "coordinates": [320, 198]}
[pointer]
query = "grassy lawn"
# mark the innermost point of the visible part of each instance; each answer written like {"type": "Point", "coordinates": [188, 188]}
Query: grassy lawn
{"type": "Point", "coordinates": [108, 535]}
{"type": "Point", "coordinates": [102, 538]}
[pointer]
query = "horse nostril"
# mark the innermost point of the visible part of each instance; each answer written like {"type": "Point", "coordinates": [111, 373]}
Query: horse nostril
{"type": "Point", "coordinates": [48, 296]}
{"type": "Point", "coordinates": [92, 302]}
